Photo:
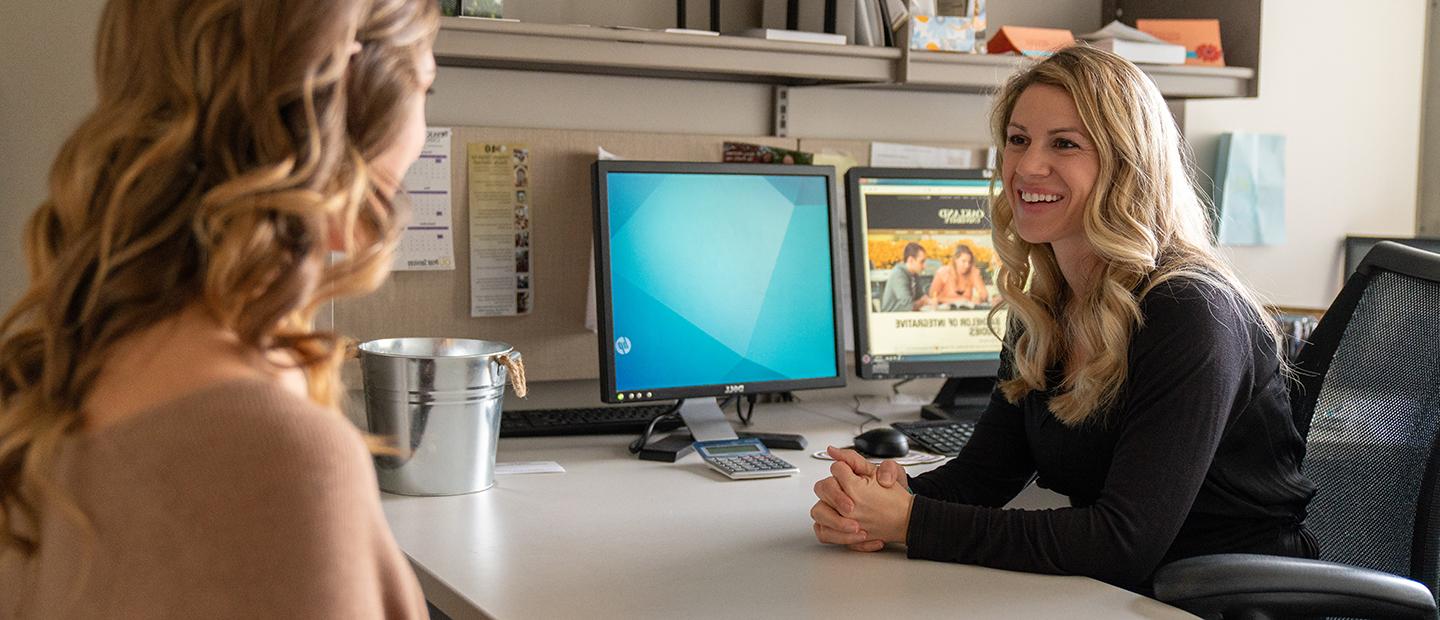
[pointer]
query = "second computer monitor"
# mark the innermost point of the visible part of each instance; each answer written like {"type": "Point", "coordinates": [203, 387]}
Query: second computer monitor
{"type": "Point", "coordinates": [923, 272]}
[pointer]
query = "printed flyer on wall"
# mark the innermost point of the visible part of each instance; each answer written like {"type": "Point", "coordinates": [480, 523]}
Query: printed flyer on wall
{"type": "Point", "coordinates": [501, 282]}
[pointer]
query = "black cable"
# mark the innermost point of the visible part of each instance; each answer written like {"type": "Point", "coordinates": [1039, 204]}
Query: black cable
{"type": "Point", "coordinates": [748, 414]}
{"type": "Point", "coordinates": [869, 417]}
{"type": "Point", "coordinates": [644, 438]}
{"type": "Point", "coordinates": [895, 387]}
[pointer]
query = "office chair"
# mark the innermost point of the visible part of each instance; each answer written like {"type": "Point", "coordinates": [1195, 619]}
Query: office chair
{"type": "Point", "coordinates": [1367, 400]}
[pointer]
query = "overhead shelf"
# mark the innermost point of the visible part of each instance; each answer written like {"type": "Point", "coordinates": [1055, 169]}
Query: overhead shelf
{"type": "Point", "coordinates": [466, 42]}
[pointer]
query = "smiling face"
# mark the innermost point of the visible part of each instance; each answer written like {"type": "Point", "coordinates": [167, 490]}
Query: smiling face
{"type": "Point", "coordinates": [1050, 166]}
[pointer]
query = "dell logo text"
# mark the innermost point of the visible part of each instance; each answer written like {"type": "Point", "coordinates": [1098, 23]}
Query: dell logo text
{"type": "Point", "coordinates": [735, 389]}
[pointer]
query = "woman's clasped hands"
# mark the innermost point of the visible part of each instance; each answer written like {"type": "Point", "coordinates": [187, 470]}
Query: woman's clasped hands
{"type": "Point", "coordinates": [861, 505]}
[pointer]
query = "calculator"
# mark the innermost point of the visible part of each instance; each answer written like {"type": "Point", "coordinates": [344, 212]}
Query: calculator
{"type": "Point", "coordinates": [743, 458]}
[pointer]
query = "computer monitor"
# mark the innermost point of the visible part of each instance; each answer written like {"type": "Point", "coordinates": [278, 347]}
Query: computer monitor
{"type": "Point", "coordinates": [923, 277]}
{"type": "Point", "coordinates": [1357, 247]}
{"type": "Point", "coordinates": [715, 280]}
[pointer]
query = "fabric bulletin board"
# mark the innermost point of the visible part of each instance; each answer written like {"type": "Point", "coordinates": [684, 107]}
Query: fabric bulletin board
{"type": "Point", "coordinates": [552, 336]}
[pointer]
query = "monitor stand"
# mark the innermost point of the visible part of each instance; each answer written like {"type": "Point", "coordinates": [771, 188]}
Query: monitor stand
{"type": "Point", "coordinates": [961, 398]}
{"type": "Point", "coordinates": [705, 420]}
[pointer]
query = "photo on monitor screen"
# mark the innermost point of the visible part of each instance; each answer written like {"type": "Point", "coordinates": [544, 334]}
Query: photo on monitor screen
{"type": "Point", "coordinates": [924, 269]}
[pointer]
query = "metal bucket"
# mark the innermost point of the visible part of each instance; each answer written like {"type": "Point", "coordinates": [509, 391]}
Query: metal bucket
{"type": "Point", "coordinates": [437, 401]}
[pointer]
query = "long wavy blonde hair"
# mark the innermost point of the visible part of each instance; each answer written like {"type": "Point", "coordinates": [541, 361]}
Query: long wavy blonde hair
{"type": "Point", "coordinates": [229, 142]}
{"type": "Point", "coordinates": [1144, 220]}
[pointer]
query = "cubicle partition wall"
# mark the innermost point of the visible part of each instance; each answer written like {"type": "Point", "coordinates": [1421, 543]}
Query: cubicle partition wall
{"type": "Point", "coordinates": [552, 336]}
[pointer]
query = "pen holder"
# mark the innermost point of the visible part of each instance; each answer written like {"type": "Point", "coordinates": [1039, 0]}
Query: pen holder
{"type": "Point", "coordinates": [437, 403]}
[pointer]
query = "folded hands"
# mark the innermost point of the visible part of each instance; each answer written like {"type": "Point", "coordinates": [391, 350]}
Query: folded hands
{"type": "Point", "coordinates": [861, 505]}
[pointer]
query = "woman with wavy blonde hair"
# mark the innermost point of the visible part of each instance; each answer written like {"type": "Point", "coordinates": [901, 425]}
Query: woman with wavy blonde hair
{"type": "Point", "coordinates": [170, 437]}
{"type": "Point", "coordinates": [1140, 377]}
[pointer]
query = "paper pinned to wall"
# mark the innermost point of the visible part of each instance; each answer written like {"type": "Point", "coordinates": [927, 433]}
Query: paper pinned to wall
{"type": "Point", "coordinates": [501, 282]}
{"type": "Point", "coordinates": [888, 155]}
{"type": "Point", "coordinates": [427, 243]}
{"type": "Point", "coordinates": [1250, 189]}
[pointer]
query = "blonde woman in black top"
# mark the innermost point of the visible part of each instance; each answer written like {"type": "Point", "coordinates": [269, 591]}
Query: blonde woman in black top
{"type": "Point", "coordinates": [1140, 377]}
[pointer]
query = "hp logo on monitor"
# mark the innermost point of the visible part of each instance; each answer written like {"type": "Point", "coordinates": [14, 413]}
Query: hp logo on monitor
{"type": "Point", "coordinates": [622, 345]}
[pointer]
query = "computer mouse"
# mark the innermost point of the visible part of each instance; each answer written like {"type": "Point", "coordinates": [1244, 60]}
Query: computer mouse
{"type": "Point", "coordinates": [882, 443]}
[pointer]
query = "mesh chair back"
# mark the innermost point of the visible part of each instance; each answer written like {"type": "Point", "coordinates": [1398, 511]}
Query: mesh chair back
{"type": "Point", "coordinates": [1369, 397]}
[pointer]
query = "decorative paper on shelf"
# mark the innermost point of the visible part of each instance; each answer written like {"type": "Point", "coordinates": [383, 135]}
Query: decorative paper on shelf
{"type": "Point", "coordinates": [942, 33]}
{"type": "Point", "coordinates": [427, 243]}
{"type": "Point", "coordinates": [745, 153]}
{"type": "Point", "coordinates": [974, 10]}
{"type": "Point", "coordinates": [500, 275]}
{"type": "Point", "coordinates": [1201, 38]}
{"type": "Point", "coordinates": [1029, 41]}
{"type": "Point", "coordinates": [1250, 189]}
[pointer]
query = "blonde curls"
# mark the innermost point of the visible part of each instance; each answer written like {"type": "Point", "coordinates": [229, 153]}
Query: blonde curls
{"type": "Point", "coordinates": [1143, 220]}
{"type": "Point", "coordinates": [228, 138]}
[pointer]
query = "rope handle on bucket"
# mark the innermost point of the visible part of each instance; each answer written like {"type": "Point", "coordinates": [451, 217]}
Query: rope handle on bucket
{"type": "Point", "coordinates": [517, 373]}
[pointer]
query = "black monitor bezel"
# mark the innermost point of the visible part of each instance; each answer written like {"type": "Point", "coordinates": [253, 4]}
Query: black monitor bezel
{"type": "Point", "coordinates": [860, 303]}
{"type": "Point", "coordinates": [599, 173]}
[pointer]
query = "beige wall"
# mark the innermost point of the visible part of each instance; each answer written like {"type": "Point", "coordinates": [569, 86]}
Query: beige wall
{"type": "Point", "coordinates": [45, 88]}
{"type": "Point", "coordinates": [1351, 119]}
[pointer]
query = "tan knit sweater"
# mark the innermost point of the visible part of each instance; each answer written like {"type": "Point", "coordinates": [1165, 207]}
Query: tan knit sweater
{"type": "Point", "coordinates": [239, 501]}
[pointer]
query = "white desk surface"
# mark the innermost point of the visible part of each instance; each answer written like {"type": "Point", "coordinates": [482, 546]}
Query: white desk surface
{"type": "Point", "coordinates": [615, 536]}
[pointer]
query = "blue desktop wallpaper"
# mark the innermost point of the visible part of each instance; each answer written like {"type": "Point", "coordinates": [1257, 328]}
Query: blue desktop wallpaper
{"type": "Point", "coordinates": [719, 279]}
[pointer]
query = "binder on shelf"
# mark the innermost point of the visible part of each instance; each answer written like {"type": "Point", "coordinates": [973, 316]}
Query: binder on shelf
{"type": "Point", "coordinates": [867, 23]}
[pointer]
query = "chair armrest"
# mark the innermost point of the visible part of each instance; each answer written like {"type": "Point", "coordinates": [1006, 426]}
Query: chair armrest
{"type": "Point", "coordinates": [1241, 584]}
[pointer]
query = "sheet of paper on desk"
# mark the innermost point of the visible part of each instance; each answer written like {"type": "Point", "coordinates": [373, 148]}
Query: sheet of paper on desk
{"type": "Point", "coordinates": [528, 467]}
{"type": "Point", "coordinates": [427, 243]}
{"type": "Point", "coordinates": [887, 155]}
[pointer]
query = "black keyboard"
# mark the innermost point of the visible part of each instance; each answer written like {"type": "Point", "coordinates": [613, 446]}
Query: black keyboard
{"type": "Point", "coordinates": [943, 437]}
{"type": "Point", "coordinates": [624, 420]}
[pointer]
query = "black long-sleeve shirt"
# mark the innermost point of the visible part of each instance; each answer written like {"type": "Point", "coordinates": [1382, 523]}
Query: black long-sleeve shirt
{"type": "Point", "coordinates": [1197, 455]}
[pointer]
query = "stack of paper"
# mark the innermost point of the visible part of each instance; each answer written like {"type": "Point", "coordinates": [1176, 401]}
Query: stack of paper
{"type": "Point", "coordinates": [1135, 46]}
